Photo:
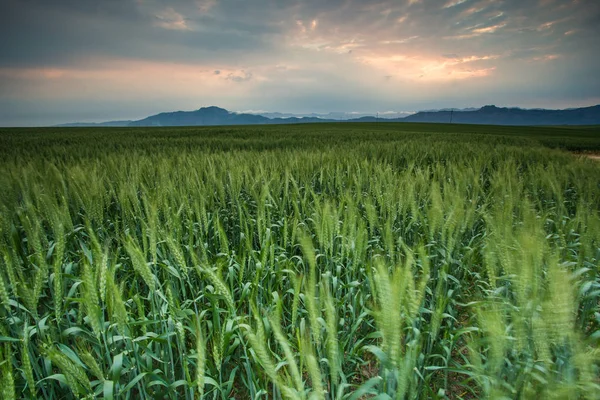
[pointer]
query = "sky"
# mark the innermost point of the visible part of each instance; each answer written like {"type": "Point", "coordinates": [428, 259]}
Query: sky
{"type": "Point", "coordinates": [91, 60]}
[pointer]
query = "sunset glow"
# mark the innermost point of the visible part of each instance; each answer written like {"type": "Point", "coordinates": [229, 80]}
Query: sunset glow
{"type": "Point", "coordinates": [127, 59]}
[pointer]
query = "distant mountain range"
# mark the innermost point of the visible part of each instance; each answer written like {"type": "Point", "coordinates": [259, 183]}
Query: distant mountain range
{"type": "Point", "coordinates": [492, 115]}
{"type": "Point", "coordinates": [338, 116]}
{"type": "Point", "coordinates": [488, 115]}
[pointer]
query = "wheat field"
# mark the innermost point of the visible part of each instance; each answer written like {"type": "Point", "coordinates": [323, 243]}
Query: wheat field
{"type": "Point", "coordinates": [334, 261]}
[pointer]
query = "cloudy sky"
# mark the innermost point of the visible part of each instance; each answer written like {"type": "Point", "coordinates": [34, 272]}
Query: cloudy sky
{"type": "Point", "coordinates": [91, 60]}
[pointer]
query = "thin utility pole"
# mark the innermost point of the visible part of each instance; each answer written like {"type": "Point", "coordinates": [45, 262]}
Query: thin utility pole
{"type": "Point", "coordinates": [451, 114]}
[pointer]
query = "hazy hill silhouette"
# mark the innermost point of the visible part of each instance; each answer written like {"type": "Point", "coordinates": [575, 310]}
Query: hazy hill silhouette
{"type": "Point", "coordinates": [487, 115]}
{"type": "Point", "coordinates": [492, 115]}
